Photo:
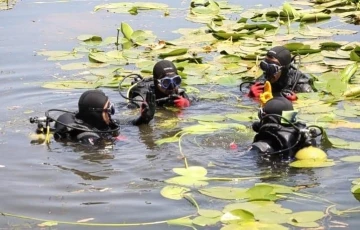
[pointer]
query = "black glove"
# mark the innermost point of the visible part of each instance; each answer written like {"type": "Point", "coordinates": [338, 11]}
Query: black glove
{"type": "Point", "coordinates": [148, 107]}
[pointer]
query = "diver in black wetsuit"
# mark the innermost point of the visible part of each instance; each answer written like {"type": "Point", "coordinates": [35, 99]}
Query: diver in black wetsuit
{"type": "Point", "coordinates": [285, 79]}
{"type": "Point", "coordinates": [165, 83]}
{"type": "Point", "coordinates": [93, 122]}
{"type": "Point", "coordinates": [278, 132]}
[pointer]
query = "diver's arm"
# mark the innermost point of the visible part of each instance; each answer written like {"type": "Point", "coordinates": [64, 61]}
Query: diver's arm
{"type": "Point", "coordinates": [302, 81]}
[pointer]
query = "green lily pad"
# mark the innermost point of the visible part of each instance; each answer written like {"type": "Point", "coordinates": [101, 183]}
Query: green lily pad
{"type": "Point", "coordinates": [176, 52]}
{"type": "Point", "coordinates": [306, 216]}
{"type": "Point", "coordinates": [356, 189]}
{"type": "Point", "coordinates": [271, 217]}
{"type": "Point", "coordinates": [312, 163]}
{"type": "Point", "coordinates": [304, 224]}
{"type": "Point", "coordinates": [187, 181]}
{"type": "Point", "coordinates": [210, 213]}
{"type": "Point", "coordinates": [205, 221]}
{"type": "Point", "coordinates": [351, 159]}
{"type": "Point", "coordinates": [192, 171]}
{"type": "Point", "coordinates": [236, 216]}
{"type": "Point", "coordinates": [226, 193]}
{"type": "Point", "coordinates": [261, 192]}
{"type": "Point", "coordinates": [174, 192]}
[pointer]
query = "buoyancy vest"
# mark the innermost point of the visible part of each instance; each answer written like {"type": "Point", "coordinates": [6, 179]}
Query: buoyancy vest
{"type": "Point", "coordinates": [68, 127]}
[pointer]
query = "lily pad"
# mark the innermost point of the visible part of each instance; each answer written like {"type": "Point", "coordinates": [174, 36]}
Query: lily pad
{"type": "Point", "coordinates": [174, 192]}
{"type": "Point", "coordinates": [312, 163]}
{"type": "Point", "coordinates": [226, 193]}
{"type": "Point", "coordinates": [209, 213]}
{"type": "Point", "coordinates": [356, 189]}
{"type": "Point", "coordinates": [236, 216]}
{"type": "Point", "coordinates": [187, 181]}
{"type": "Point", "coordinates": [192, 171]}
{"type": "Point", "coordinates": [351, 159]}
{"type": "Point", "coordinates": [205, 221]}
{"type": "Point", "coordinates": [306, 216]}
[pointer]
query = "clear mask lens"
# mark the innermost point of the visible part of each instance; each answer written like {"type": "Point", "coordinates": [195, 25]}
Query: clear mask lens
{"type": "Point", "coordinates": [170, 82]}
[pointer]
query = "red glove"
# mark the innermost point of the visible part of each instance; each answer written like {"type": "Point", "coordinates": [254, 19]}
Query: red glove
{"type": "Point", "coordinates": [181, 102]}
{"type": "Point", "coordinates": [290, 95]}
{"type": "Point", "coordinates": [256, 89]}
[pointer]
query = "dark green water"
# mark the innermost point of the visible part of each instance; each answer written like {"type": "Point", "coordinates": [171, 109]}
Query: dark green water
{"type": "Point", "coordinates": [119, 185]}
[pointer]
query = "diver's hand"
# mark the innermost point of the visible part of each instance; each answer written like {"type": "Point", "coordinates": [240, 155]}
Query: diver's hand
{"type": "Point", "coordinates": [256, 89]}
{"type": "Point", "coordinates": [148, 107]}
{"type": "Point", "coordinates": [290, 95]}
{"type": "Point", "coordinates": [181, 102]}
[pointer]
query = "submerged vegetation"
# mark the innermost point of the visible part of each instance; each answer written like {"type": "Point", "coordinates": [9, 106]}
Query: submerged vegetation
{"type": "Point", "coordinates": [225, 50]}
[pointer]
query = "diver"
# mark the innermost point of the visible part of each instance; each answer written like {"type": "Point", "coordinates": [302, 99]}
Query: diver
{"type": "Point", "coordinates": [278, 134]}
{"type": "Point", "coordinates": [165, 84]}
{"type": "Point", "coordinates": [286, 80]}
{"type": "Point", "coordinates": [93, 122]}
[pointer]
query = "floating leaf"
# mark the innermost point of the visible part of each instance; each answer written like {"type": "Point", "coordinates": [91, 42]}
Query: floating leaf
{"type": "Point", "coordinates": [315, 17]}
{"type": "Point", "coordinates": [205, 221]}
{"type": "Point", "coordinates": [312, 163]}
{"type": "Point", "coordinates": [261, 192]}
{"type": "Point", "coordinates": [192, 171]}
{"type": "Point", "coordinates": [304, 224]}
{"type": "Point", "coordinates": [351, 159]}
{"type": "Point", "coordinates": [187, 181]}
{"type": "Point", "coordinates": [229, 80]}
{"type": "Point", "coordinates": [173, 192]}
{"type": "Point", "coordinates": [209, 213]}
{"type": "Point", "coordinates": [237, 215]}
{"type": "Point", "coordinates": [348, 72]}
{"type": "Point", "coordinates": [176, 52]}
{"type": "Point", "coordinates": [355, 189]}
{"type": "Point", "coordinates": [126, 30]}
{"type": "Point", "coordinates": [306, 216]}
{"type": "Point", "coordinates": [271, 217]}
{"type": "Point", "coordinates": [226, 193]}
